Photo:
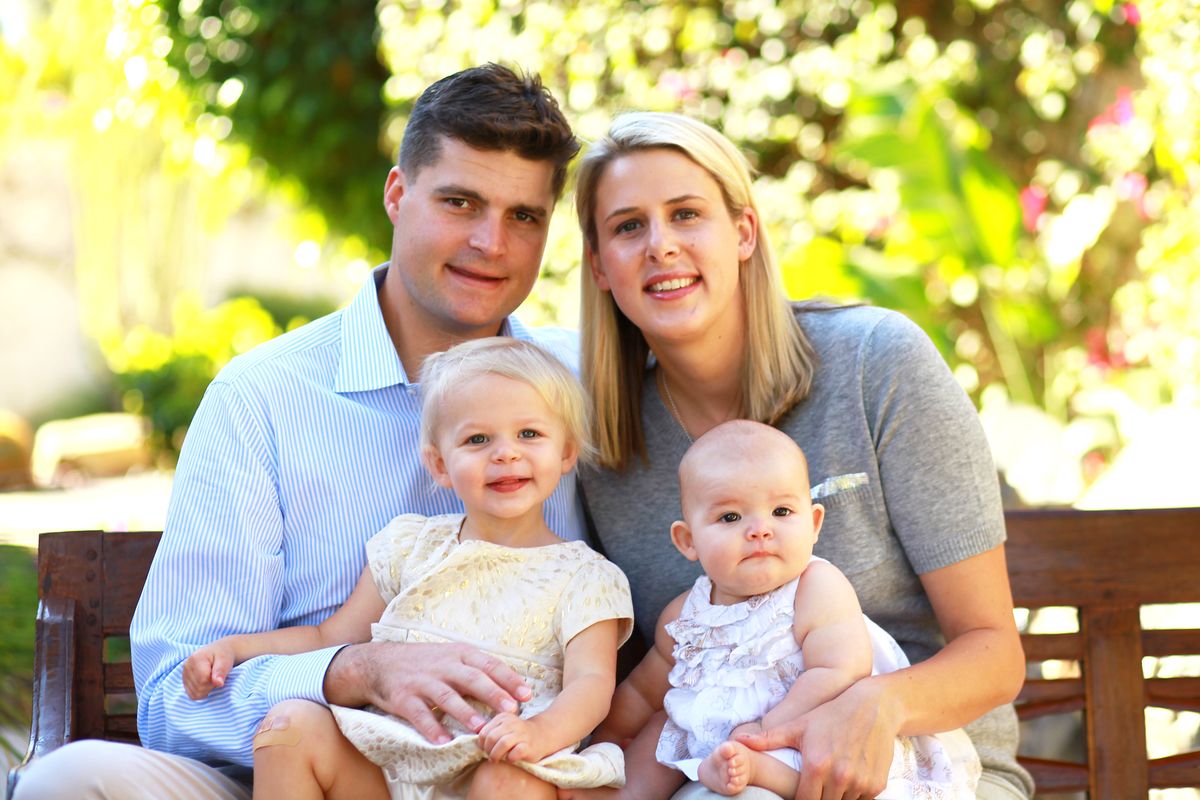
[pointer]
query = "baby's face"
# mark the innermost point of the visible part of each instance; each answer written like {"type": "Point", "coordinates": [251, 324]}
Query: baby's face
{"type": "Point", "coordinates": [750, 521]}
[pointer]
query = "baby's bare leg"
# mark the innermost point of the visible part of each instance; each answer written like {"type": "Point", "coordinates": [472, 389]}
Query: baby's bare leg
{"type": "Point", "coordinates": [732, 767]}
{"type": "Point", "coordinates": [494, 779]}
{"type": "Point", "coordinates": [300, 753]}
{"type": "Point", "coordinates": [645, 778]}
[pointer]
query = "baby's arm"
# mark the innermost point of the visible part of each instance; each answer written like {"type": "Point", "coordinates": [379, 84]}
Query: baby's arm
{"type": "Point", "coordinates": [206, 668]}
{"type": "Point", "coordinates": [589, 674]}
{"type": "Point", "coordinates": [833, 637]}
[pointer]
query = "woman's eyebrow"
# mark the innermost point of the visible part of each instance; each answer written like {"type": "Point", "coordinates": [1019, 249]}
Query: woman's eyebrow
{"type": "Point", "coordinates": [683, 198]}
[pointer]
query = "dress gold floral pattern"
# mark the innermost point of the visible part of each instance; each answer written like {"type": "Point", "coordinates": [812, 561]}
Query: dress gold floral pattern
{"type": "Point", "coordinates": [522, 605]}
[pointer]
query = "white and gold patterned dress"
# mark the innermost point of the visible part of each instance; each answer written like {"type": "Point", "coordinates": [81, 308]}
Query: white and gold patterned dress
{"type": "Point", "coordinates": [522, 605]}
{"type": "Point", "coordinates": [733, 663]}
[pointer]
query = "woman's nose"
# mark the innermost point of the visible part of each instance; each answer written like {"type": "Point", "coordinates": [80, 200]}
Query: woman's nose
{"type": "Point", "coordinates": [661, 243]}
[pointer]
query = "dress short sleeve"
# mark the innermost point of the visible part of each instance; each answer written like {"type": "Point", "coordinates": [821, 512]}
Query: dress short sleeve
{"type": "Point", "coordinates": [598, 591]}
{"type": "Point", "coordinates": [388, 550]}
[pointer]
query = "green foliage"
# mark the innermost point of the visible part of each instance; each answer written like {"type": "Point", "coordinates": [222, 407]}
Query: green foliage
{"type": "Point", "coordinates": [18, 610]}
{"type": "Point", "coordinates": [302, 84]}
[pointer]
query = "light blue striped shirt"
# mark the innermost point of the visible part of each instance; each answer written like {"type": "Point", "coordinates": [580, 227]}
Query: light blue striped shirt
{"type": "Point", "coordinates": [300, 451]}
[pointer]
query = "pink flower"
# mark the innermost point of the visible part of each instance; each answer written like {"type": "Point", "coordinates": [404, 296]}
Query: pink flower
{"type": "Point", "coordinates": [1132, 186]}
{"type": "Point", "coordinates": [1119, 112]}
{"type": "Point", "coordinates": [1132, 15]}
{"type": "Point", "coordinates": [1033, 206]}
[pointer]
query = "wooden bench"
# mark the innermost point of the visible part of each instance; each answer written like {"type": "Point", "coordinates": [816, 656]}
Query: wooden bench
{"type": "Point", "coordinates": [1105, 564]}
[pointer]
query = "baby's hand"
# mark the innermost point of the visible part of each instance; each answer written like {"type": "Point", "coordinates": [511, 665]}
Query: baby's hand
{"type": "Point", "coordinates": [206, 669]}
{"type": "Point", "coordinates": [507, 737]}
{"type": "Point", "coordinates": [750, 728]}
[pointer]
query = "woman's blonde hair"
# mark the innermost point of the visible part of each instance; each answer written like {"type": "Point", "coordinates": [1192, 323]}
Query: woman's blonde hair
{"type": "Point", "coordinates": [444, 374]}
{"type": "Point", "coordinates": [778, 364]}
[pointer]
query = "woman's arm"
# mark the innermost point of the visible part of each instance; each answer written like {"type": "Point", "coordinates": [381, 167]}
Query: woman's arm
{"type": "Point", "coordinates": [847, 743]}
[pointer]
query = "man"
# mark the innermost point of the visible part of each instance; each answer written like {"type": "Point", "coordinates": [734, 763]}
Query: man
{"type": "Point", "coordinates": [305, 447]}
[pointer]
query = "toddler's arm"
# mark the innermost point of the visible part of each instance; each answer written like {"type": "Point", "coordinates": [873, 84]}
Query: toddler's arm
{"type": "Point", "coordinates": [832, 635]}
{"type": "Point", "coordinates": [206, 668]}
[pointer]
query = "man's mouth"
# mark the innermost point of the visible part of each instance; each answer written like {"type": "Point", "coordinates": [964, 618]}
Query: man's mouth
{"type": "Point", "coordinates": [472, 275]}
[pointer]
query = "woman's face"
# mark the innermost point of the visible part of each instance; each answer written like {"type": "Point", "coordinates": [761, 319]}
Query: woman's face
{"type": "Point", "coordinates": [667, 247]}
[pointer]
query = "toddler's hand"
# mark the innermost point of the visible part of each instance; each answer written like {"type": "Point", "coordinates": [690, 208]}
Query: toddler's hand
{"type": "Point", "coordinates": [507, 737]}
{"type": "Point", "coordinates": [206, 669]}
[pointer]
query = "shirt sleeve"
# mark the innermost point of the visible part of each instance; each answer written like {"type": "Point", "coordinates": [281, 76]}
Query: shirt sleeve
{"type": "Point", "coordinates": [388, 551]}
{"type": "Point", "coordinates": [938, 478]}
{"type": "Point", "coordinates": [598, 591]}
{"type": "Point", "coordinates": [219, 570]}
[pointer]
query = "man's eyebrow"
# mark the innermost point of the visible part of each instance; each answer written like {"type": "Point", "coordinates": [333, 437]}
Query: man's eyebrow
{"type": "Point", "coordinates": [683, 198]}
{"type": "Point", "coordinates": [454, 190]}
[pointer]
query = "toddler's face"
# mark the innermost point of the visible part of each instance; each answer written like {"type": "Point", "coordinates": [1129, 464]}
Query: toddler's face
{"type": "Point", "coordinates": [749, 521]}
{"type": "Point", "coordinates": [500, 447]}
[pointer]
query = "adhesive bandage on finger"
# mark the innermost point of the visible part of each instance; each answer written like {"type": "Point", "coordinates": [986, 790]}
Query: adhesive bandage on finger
{"type": "Point", "coordinates": [276, 730]}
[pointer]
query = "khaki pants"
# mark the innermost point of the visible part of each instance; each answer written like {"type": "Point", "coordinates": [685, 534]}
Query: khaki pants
{"type": "Point", "coordinates": [92, 769]}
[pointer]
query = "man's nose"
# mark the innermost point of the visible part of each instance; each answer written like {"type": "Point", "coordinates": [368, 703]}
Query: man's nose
{"type": "Point", "coordinates": [489, 236]}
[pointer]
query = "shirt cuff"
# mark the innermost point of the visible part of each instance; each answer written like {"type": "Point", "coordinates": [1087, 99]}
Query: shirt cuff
{"type": "Point", "coordinates": [301, 676]}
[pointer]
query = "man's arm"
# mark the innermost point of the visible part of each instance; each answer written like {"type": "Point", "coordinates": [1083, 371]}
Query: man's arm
{"type": "Point", "coordinates": [219, 570]}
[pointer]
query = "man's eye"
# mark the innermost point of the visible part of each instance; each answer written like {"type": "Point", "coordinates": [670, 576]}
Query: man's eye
{"type": "Point", "coordinates": [782, 511]}
{"type": "Point", "coordinates": [730, 516]}
{"type": "Point", "coordinates": [528, 433]}
{"type": "Point", "coordinates": [457, 202]}
{"type": "Point", "coordinates": [477, 438]}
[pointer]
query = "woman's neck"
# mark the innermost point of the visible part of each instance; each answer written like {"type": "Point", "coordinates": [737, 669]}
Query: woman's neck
{"type": "Point", "coordinates": [701, 384]}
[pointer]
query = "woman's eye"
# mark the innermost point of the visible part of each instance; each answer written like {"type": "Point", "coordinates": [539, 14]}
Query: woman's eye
{"type": "Point", "coordinates": [730, 516]}
{"type": "Point", "coordinates": [782, 511]}
{"type": "Point", "coordinates": [627, 226]}
{"type": "Point", "coordinates": [528, 434]}
{"type": "Point", "coordinates": [477, 438]}
{"type": "Point", "coordinates": [686, 213]}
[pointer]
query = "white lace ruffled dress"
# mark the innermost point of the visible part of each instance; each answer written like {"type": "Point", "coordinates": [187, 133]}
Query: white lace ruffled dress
{"type": "Point", "coordinates": [733, 663]}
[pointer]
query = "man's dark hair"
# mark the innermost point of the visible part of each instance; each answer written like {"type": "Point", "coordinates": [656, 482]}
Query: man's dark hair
{"type": "Point", "coordinates": [489, 108]}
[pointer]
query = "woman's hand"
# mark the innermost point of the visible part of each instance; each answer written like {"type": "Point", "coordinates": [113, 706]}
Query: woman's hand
{"type": "Point", "coordinates": [846, 744]}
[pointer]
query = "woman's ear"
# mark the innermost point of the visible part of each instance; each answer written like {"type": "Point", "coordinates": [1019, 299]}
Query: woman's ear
{"type": "Point", "coordinates": [681, 537]}
{"type": "Point", "coordinates": [747, 228]}
{"type": "Point", "coordinates": [436, 466]}
{"type": "Point", "coordinates": [593, 263]}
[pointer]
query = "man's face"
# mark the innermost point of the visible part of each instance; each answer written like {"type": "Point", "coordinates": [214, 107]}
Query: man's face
{"type": "Point", "coordinates": [469, 234]}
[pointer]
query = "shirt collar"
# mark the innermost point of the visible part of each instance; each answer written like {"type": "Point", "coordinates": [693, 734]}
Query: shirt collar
{"type": "Point", "coordinates": [369, 360]}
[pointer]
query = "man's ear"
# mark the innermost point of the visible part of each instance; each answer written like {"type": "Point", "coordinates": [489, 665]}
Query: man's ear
{"type": "Point", "coordinates": [432, 457]}
{"type": "Point", "coordinates": [593, 263]}
{"type": "Point", "coordinates": [681, 537]}
{"type": "Point", "coordinates": [393, 190]}
{"type": "Point", "coordinates": [818, 512]}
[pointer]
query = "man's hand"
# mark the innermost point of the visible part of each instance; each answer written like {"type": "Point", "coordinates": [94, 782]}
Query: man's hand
{"type": "Point", "coordinates": [846, 745]}
{"type": "Point", "coordinates": [206, 669]}
{"type": "Point", "coordinates": [413, 680]}
{"type": "Point", "coordinates": [507, 737]}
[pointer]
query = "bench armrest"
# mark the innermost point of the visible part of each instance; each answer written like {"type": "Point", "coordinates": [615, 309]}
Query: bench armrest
{"type": "Point", "coordinates": [53, 679]}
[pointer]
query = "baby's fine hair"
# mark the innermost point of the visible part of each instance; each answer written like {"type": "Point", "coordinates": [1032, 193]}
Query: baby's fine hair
{"type": "Point", "coordinates": [445, 373]}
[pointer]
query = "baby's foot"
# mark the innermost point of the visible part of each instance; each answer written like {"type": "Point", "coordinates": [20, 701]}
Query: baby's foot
{"type": "Point", "coordinates": [727, 770]}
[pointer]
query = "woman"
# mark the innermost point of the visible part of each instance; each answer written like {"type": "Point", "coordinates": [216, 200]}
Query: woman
{"type": "Point", "coordinates": [685, 325]}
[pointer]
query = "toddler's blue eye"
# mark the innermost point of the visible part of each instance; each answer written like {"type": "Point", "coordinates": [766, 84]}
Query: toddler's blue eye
{"type": "Point", "coordinates": [477, 438]}
{"type": "Point", "coordinates": [782, 511]}
{"type": "Point", "coordinates": [731, 516]}
{"type": "Point", "coordinates": [528, 434]}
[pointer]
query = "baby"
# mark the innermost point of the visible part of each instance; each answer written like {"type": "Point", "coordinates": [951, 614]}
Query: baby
{"type": "Point", "coordinates": [768, 633]}
{"type": "Point", "coordinates": [502, 422]}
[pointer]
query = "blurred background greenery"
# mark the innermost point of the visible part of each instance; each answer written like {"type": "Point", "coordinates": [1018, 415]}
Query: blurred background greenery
{"type": "Point", "coordinates": [1018, 176]}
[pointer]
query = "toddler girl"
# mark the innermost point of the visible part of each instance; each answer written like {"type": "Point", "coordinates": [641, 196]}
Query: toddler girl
{"type": "Point", "coordinates": [502, 422]}
{"type": "Point", "coordinates": [768, 633]}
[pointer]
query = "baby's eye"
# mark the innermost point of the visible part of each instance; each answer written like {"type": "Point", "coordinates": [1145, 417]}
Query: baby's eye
{"type": "Point", "coordinates": [730, 516]}
{"type": "Point", "coordinates": [782, 511]}
{"type": "Point", "coordinates": [528, 433]}
{"type": "Point", "coordinates": [477, 438]}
